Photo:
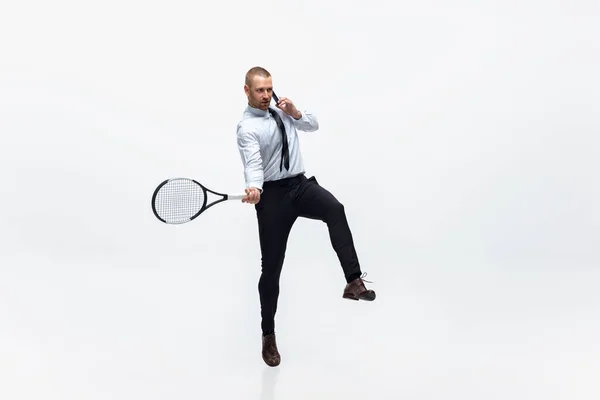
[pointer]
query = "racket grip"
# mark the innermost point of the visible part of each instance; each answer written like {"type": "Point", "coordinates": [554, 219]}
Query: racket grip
{"type": "Point", "coordinates": [236, 196]}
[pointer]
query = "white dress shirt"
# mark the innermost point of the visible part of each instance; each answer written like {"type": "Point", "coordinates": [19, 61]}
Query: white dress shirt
{"type": "Point", "coordinates": [260, 145]}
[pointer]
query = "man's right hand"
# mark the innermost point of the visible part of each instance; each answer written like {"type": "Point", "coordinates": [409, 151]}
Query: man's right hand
{"type": "Point", "coordinates": [252, 196]}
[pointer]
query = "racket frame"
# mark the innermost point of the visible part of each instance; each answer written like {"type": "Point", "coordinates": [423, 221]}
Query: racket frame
{"type": "Point", "coordinates": [224, 197]}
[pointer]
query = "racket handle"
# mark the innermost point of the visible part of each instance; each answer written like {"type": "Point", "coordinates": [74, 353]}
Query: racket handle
{"type": "Point", "coordinates": [236, 196]}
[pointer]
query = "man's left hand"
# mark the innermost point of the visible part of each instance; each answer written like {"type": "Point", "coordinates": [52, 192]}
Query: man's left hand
{"type": "Point", "coordinates": [288, 107]}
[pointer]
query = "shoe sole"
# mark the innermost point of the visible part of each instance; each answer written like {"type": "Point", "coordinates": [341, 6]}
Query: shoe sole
{"type": "Point", "coordinates": [366, 297]}
{"type": "Point", "coordinates": [272, 364]}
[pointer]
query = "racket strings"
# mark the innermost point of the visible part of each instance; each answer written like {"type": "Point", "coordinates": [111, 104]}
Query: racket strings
{"type": "Point", "coordinates": [179, 200]}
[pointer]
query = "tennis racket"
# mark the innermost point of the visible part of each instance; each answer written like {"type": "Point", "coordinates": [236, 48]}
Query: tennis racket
{"type": "Point", "coordinates": [180, 200]}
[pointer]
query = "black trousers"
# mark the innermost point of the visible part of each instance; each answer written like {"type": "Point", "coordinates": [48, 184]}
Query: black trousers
{"type": "Point", "coordinates": [281, 203]}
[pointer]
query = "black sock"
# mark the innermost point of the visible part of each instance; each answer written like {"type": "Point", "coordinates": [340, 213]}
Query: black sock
{"type": "Point", "coordinates": [268, 333]}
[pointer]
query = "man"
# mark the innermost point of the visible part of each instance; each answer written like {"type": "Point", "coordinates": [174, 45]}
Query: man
{"type": "Point", "coordinates": [280, 192]}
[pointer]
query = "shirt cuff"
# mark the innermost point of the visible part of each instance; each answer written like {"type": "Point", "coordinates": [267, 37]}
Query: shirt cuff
{"type": "Point", "coordinates": [255, 184]}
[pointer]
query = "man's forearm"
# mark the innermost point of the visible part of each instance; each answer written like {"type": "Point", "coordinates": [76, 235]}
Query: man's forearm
{"type": "Point", "coordinates": [306, 122]}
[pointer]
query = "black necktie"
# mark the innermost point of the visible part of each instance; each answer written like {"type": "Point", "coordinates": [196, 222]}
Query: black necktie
{"type": "Point", "coordinates": [286, 153]}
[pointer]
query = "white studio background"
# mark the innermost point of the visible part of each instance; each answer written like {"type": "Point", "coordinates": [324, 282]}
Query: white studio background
{"type": "Point", "coordinates": [461, 137]}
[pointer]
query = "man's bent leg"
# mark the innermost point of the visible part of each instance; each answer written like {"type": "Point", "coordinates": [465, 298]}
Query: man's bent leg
{"type": "Point", "coordinates": [315, 202]}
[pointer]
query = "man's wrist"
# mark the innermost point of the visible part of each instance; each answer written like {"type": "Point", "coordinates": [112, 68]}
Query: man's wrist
{"type": "Point", "coordinates": [298, 115]}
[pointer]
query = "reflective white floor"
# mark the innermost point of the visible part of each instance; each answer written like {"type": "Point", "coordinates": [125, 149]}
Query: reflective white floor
{"type": "Point", "coordinates": [171, 330]}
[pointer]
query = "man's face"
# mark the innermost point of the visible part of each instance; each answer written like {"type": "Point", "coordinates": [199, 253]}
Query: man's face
{"type": "Point", "coordinates": [259, 92]}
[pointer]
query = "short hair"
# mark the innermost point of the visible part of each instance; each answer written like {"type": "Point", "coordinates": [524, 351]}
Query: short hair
{"type": "Point", "coordinates": [254, 71]}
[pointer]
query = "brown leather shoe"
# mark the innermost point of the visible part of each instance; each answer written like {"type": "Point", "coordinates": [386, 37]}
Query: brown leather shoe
{"type": "Point", "coordinates": [270, 354]}
{"type": "Point", "coordinates": [356, 290]}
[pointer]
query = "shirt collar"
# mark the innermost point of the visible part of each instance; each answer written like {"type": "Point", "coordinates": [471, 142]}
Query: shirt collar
{"type": "Point", "coordinates": [257, 111]}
